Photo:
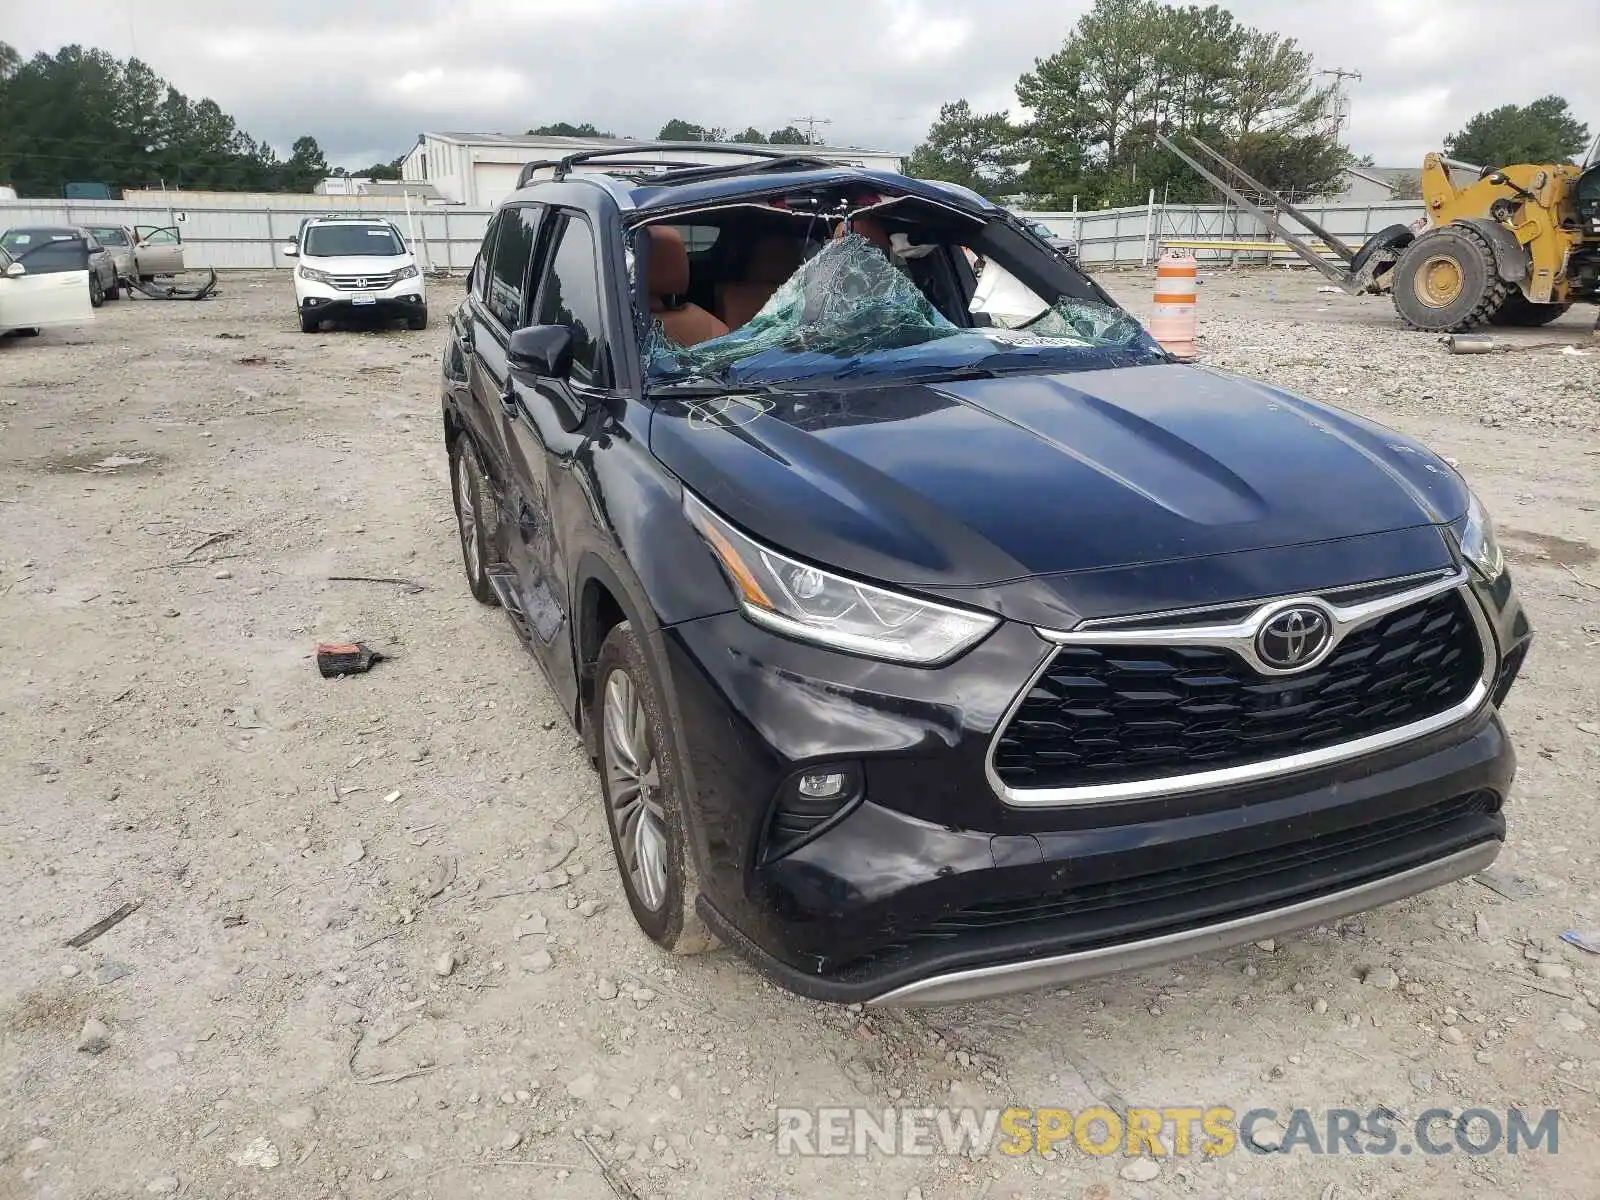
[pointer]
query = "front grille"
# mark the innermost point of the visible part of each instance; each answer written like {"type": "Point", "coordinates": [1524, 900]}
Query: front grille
{"type": "Point", "coordinates": [1307, 861]}
{"type": "Point", "coordinates": [1114, 714]}
{"type": "Point", "coordinates": [364, 283]}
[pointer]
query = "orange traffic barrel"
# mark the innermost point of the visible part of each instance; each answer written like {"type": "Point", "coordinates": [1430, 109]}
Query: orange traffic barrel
{"type": "Point", "coordinates": [1172, 319]}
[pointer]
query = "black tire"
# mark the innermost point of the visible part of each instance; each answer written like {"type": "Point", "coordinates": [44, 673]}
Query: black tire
{"type": "Point", "coordinates": [114, 292]}
{"type": "Point", "coordinates": [1519, 310]}
{"type": "Point", "coordinates": [29, 332]}
{"type": "Point", "coordinates": [468, 489]}
{"type": "Point", "coordinates": [310, 322]}
{"type": "Point", "coordinates": [418, 322]}
{"type": "Point", "coordinates": [672, 922]}
{"type": "Point", "coordinates": [97, 290]}
{"type": "Point", "coordinates": [1446, 281]}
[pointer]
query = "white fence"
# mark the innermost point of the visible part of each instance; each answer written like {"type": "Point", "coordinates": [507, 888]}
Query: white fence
{"type": "Point", "coordinates": [248, 238]}
{"type": "Point", "coordinates": [448, 237]}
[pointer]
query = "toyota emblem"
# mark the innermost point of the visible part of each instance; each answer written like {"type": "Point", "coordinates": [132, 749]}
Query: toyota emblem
{"type": "Point", "coordinates": [1294, 638]}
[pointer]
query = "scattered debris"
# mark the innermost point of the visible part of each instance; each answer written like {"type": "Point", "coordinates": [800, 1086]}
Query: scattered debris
{"type": "Point", "coordinates": [444, 966]}
{"type": "Point", "coordinates": [1381, 977]}
{"type": "Point", "coordinates": [1144, 1170]}
{"type": "Point", "coordinates": [1469, 343]}
{"type": "Point", "coordinates": [96, 1036]}
{"type": "Point", "coordinates": [411, 586]}
{"type": "Point", "coordinates": [353, 852]}
{"type": "Point", "coordinates": [614, 1180]}
{"type": "Point", "coordinates": [110, 971]}
{"type": "Point", "coordinates": [346, 658]}
{"type": "Point", "coordinates": [1583, 939]}
{"type": "Point", "coordinates": [111, 463]}
{"type": "Point", "coordinates": [440, 877]}
{"type": "Point", "coordinates": [259, 1153]}
{"type": "Point", "coordinates": [1504, 883]}
{"type": "Point", "coordinates": [105, 923]}
{"type": "Point", "coordinates": [395, 1077]}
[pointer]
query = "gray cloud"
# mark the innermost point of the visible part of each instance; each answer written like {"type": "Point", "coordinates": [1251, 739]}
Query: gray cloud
{"type": "Point", "coordinates": [365, 77]}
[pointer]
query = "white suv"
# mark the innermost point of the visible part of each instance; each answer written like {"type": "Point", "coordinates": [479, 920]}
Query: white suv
{"type": "Point", "coordinates": [355, 264]}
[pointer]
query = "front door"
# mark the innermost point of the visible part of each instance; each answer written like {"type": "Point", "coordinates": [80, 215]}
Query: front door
{"type": "Point", "coordinates": [51, 288]}
{"type": "Point", "coordinates": [546, 426]}
{"type": "Point", "coordinates": [158, 250]}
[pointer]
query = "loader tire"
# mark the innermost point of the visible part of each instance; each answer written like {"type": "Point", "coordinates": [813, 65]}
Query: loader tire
{"type": "Point", "coordinates": [1519, 310]}
{"type": "Point", "coordinates": [1446, 281]}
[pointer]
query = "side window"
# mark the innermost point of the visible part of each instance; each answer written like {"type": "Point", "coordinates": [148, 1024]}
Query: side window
{"type": "Point", "coordinates": [508, 269]}
{"type": "Point", "coordinates": [477, 281]}
{"type": "Point", "coordinates": [571, 297]}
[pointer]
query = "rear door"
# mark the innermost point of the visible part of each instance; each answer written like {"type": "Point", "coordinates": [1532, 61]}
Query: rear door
{"type": "Point", "coordinates": [37, 301]}
{"type": "Point", "coordinates": [158, 249]}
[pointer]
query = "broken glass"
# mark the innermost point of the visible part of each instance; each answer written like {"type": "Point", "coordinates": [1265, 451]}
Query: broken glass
{"type": "Point", "coordinates": [849, 312]}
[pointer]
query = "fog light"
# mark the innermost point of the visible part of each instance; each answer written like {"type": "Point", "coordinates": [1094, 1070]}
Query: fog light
{"type": "Point", "coordinates": [822, 787]}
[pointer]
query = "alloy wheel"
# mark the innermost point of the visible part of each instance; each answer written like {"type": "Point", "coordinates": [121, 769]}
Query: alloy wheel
{"type": "Point", "coordinates": [633, 780]}
{"type": "Point", "coordinates": [467, 514]}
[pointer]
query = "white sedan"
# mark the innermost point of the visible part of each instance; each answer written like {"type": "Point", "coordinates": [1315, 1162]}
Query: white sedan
{"type": "Point", "coordinates": [33, 301]}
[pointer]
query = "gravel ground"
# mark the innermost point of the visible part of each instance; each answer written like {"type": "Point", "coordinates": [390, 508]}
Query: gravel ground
{"type": "Point", "coordinates": [340, 980]}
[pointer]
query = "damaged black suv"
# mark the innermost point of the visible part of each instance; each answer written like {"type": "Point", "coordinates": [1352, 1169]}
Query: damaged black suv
{"type": "Point", "coordinates": [935, 634]}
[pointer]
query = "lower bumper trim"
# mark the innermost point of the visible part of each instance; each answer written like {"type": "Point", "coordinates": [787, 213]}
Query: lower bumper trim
{"type": "Point", "coordinates": [981, 983]}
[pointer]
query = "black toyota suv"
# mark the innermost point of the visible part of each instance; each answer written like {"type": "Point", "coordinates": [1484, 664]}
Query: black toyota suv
{"type": "Point", "coordinates": [935, 634]}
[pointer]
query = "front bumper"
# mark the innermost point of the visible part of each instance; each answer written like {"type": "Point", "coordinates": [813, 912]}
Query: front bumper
{"type": "Point", "coordinates": [930, 888]}
{"type": "Point", "coordinates": [394, 303]}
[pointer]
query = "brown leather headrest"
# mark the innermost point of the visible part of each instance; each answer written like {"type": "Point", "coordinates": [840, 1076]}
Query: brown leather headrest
{"type": "Point", "coordinates": [868, 227]}
{"type": "Point", "coordinates": [669, 262]}
{"type": "Point", "coordinates": [773, 260]}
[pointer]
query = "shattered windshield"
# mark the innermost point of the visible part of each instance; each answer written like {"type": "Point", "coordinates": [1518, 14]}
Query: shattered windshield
{"type": "Point", "coordinates": [850, 313]}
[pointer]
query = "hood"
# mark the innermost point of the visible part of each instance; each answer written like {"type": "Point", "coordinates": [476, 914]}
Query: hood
{"type": "Point", "coordinates": [983, 481]}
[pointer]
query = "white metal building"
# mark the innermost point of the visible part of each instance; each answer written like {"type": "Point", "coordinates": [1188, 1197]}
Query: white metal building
{"type": "Point", "coordinates": [480, 169]}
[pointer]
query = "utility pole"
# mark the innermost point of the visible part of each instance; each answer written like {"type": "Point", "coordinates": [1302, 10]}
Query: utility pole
{"type": "Point", "coordinates": [811, 124]}
{"type": "Point", "coordinates": [1338, 106]}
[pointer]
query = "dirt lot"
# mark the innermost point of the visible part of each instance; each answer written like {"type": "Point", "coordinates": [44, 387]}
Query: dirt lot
{"type": "Point", "coordinates": [178, 482]}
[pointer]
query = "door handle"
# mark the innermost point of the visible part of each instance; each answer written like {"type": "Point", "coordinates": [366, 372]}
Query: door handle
{"type": "Point", "coordinates": [508, 402]}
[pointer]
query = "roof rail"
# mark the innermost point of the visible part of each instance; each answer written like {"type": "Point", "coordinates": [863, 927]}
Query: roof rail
{"type": "Point", "coordinates": [563, 166]}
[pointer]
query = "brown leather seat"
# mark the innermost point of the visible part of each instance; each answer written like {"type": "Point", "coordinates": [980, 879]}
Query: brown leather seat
{"type": "Point", "coordinates": [772, 261]}
{"type": "Point", "coordinates": [685, 323]}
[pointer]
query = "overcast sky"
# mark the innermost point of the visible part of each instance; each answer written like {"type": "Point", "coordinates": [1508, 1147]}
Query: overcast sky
{"type": "Point", "coordinates": [364, 77]}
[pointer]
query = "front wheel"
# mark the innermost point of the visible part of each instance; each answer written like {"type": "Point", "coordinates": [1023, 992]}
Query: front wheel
{"type": "Point", "coordinates": [1446, 281]}
{"type": "Point", "coordinates": [97, 291]}
{"type": "Point", "coordinates": [644, 798]}
{"type": "Point", "coordinates": [310, 322]}
{"type": "Point", "coordinates": [419, 321]}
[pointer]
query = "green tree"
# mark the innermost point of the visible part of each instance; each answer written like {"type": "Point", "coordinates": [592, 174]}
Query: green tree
{"type": "Point", "coordinates": [1407, 185]}
{"type": "Point", "coordinates": [1542, 132]}
{"type": "Point", "coordinates": [751, 136]}
{"type": "Point", "coordinates": [566, 129]}
{"type": "Point", "coordinates": [679, 130]}
{"type": "Point", "coordinates": [975, 150]}
{"type": "Point", "coordinates": [306, 166]}
{"type": "Point", "coordinates": [788, 136]}
{"type": "Point", "coordinates": [84, 115]}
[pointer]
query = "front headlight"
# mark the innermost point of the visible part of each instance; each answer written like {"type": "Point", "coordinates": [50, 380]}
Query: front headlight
{"type": "Point", "coordinates": [406, 273]}
{"type": "Point", "coordinates": [315, 275]}
{"type": "Point", "coordinates": [1478, 544]}
{"type": "Point", "coordinates": [814, 605]}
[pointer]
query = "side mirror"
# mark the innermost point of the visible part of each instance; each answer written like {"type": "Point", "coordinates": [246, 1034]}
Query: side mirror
{"type": "Point", "coordinates": [541, 350]}
{"type": "Point", "coordinates": [289, 251]}
{"type": "Point", "coordinates": [16, 271]}
{"type": "Point", "coordinates": [1497, 178]}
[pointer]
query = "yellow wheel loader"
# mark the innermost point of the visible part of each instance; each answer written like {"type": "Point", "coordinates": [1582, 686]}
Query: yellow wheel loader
{"type": "Point", "coordinates": [1519, 245]}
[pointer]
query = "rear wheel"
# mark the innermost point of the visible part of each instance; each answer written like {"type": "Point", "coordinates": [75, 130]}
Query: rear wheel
{"type": "Point", "coordinates": [97, 290]}
{"type": "Point", "coordinates": [468, 488]}
{"type": "Point", "coordinates": [644, 799]}
{"type": "Point", "coordinates": [1446, 281]}
{"type": "Point", "coordinates": [114, 292]}
{"type": "Point", "coordinates": [1519, 310]}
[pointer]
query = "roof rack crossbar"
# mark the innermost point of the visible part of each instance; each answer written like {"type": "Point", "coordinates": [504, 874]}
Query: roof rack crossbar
{"type": "Point", "coordinates": [563, 166]}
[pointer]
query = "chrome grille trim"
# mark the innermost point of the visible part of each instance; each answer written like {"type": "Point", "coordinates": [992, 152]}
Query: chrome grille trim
{"type": "Point", "coordinates": [364, 283]}
{"type": "Point", "coordinates": [1348, 618]}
